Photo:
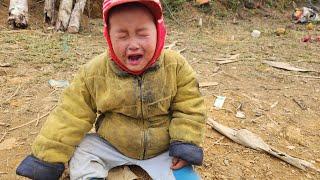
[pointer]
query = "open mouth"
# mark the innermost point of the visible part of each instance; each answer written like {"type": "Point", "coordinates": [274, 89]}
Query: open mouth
{"type": "Point", "coordinates": [134, 59]}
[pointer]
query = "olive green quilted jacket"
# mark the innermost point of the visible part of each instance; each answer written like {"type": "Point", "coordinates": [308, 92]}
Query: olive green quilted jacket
{"type": "Point", "coordinates": [143, 114]}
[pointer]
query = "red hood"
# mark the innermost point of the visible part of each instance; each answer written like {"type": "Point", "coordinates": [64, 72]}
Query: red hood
{"type": "Point", "coordinates": [156, 9]}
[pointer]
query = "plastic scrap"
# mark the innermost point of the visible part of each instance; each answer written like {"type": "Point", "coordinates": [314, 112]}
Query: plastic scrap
{"type": "Point", "coordinates": [218, 103]}
{"type": "Point", "coordinates": [305, 15]}
{"type": "Point", "coordinates": [58, 83]}
{"type": "Point", "coordinates": [255, 33]}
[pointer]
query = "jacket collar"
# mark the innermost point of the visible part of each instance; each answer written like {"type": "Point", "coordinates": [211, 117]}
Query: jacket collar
{"type": "Point", "coordinates": [121, 73]}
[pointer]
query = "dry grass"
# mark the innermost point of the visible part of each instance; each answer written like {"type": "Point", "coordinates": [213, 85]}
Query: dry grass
{"type": "Point", "coordinates": [37, 55]}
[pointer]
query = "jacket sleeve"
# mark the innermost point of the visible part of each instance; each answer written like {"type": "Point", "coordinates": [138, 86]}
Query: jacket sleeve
{"type": "Point", "coordinates": [188, 117]}
{"type": "Point", "coordinates": [67, 124]}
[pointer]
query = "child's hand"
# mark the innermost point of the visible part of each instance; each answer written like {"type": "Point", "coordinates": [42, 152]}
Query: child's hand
{"type": "Point", "coordinates": [178, 163]}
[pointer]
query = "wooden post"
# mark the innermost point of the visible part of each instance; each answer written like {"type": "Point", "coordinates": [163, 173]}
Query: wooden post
{"type": "Point", "coordinates": [64, 15]}
{"type": "Point", "coordinates": [75, 19]}
{"type": "Point", "coordinates": [18, 13]}
{"type": "Point", "coordinates": [49, 11]}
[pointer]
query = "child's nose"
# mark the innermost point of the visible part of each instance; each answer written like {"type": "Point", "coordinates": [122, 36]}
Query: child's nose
{"type": "Point", "coordinates": [133, 45]}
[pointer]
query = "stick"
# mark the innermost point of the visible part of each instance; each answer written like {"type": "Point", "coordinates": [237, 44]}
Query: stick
{"type": "Point", "coordinates": [5, 133]}
{"type": "Point", "coordinates": [14, 94]}
{"type": "Point", "coordinates": [171, 14]}
{"type": "Point", "coordinates": [218, 141]}
{"type": "Point", "coordinates": [311, 77]}
{"type": "Point", "coordinates": [14, 128]}
{"type": "Point", "coordinates": [37, 122]}
{"type": "Point", "coordinates": [182, 50]}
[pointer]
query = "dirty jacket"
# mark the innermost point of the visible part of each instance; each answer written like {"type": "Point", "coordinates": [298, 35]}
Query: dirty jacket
{"type": "Point", "coordinates": [143, 114]}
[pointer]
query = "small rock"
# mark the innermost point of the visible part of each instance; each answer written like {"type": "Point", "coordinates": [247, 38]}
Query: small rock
{"type": "Point", "coordinates": [226, 162]}
{"type": "Point", "coordinates": [306, 38]}
{"type": "Point", "coordinates": [291, 147]}
{"type": "Point", "coordinates": [255, 33]}
{"type": "Point", "coordinates": [280, 31]}
{"type": "Point", "coordinates": [241, 115]}
{"type": "Point", "coordinates": [310, 26]}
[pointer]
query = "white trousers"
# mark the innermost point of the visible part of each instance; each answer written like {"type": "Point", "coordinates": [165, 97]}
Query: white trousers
{"type": "Point", "coordinates": [94, 157]}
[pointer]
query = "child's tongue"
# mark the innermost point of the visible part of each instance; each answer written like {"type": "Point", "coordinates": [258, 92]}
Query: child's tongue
{"type": "Point", "coordinates": [134, 59]}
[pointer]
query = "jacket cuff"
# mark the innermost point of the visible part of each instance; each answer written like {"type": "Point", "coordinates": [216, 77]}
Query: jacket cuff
{"type": "Point", "coordinates": [35, 168]}
{"type": "Point", "coordinates": [186, 151]}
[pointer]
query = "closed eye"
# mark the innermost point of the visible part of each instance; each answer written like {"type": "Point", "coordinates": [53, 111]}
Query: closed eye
{"type": "Point", "coordinates": [121, 36]}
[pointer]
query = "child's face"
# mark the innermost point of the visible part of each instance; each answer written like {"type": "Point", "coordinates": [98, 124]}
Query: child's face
{"type": "Point", "coordinates": [133, 36]}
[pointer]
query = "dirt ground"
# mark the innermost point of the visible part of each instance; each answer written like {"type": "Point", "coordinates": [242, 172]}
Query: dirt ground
{"type": "Point", "coordinates": [283, 107]}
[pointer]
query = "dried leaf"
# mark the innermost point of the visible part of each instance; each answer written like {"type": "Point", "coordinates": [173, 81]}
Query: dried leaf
{"type": "Point", "coordinates": [286, 66]}
{"type": "Point", "coordinates": [207, 84]}
{"type": "Point", "coordinates": [231, 59]}
{"type": "Point", "coordinates": [251, 140]}
{"type": "Point", "coordinates": [201, 2]}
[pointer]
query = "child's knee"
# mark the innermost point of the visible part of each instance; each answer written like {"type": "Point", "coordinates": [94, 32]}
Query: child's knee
{"type": "Point", "coordinates": [186, 173]}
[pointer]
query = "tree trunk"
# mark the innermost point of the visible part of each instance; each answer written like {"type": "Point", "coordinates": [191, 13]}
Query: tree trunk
{"type": "Point", "coordinates": [75, 19]}
{"type": "Point", "coordinates": [64, 14]}
{"type": "Point", "coordinates": [49, 11]}
{"type": "Point", "coordinates": [18, 13]}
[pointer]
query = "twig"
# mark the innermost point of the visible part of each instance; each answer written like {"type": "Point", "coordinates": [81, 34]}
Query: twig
{"type": "Point", "coordinates": [52, 92]}
{"type": "Point", "coordinates": [37, 122]}
{"type": "Point", "coordinates": [255, 119]}
{"type": "Point", "coordinates": [4, 135]}
{"type": "Point", "coordinates": [296, 75]}
{"type": "Point", "coordinates": [36, 3]}
{"type": "Point", "coordinates": [14, 128]}
{"type": "Point", "coordinates": [170, 12]}
{"type": "Point", "coordinates": [3, 4]}
{"type": "Point", "coordinates": [182, 50]}
{"type": "Point", "coordinates": [24, 31]}
{"type": "Point", "coordinates": [218, 141]}
{"type": "Point", "coordinates": [3, 173]}
{"type": "Point", "coordinates": [4, 124]}
{"type": "Point", "coordinates": [170, 46]}
{"type": "Point", "coordinates": [14, 94]}
{"type": "Point", "coordinates": [229, 75]}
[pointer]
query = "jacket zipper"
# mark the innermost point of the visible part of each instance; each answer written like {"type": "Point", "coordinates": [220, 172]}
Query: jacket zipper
{"type": "Point", "coordinates": [142, 117]}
